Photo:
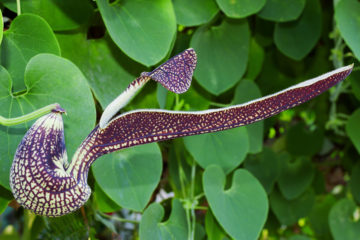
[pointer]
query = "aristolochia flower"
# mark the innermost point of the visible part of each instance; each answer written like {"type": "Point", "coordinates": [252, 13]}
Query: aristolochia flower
{"type": "Point", "coordinates": [42, 180]}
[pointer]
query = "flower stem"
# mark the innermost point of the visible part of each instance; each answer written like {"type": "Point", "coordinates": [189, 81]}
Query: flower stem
{"type": "Point", "coordinates": [33, 115]}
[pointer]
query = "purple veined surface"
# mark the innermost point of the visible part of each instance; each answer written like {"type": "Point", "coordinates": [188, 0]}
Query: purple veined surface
{"type": "Point", "coordinates": [42, 180]}
{"type": "Point", "coordinates": [175, 75]}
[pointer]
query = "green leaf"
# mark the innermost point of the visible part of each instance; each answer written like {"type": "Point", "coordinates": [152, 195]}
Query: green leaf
{"type": "Point", "coordinates": [212, 227]}
{"type": "Point", "coordinates": [226, 149]}
{"type": "Point", "coordinates": [352, 127]}
{"type": "Point", "coordinates": [175, 227]}
{"type": "Point", "coordinates": [194, 100]}
{"type": "Point", "coordinates": [131, 175]}
{"type": "Point", "coordinates": [3, 204]}
{"type": "Point", "coordinates": [193, 13]}
{"type": "Point", "coordinates": [240, 8]}
{"type": "Point", "coordinates": [27, 36]}
{"type": "Point", "coordinates": [355, 83]}
{"type": "Point", "coordinates": [61, 15]}
{"type": "Point", "coordinates": [222, 54]}
{"type": "Point", "coordinates": [242, 209]}
{"type": "Point", "coordinates": [296, 176]}
{"type": "Point", "coordinates": [144, 30]}
{"type": "Point", "coordinates": [246, 91]}
{"type": "Point", "coordinates": [104, 203]}
{"type": "Point", "coordinates": [266, 167]}
{"type": "Point", "coordinates": [297, 38]}
{"type": "Point", "coordinates": [48, 79]}
{"type": "Point", "coordinates": [341, 220]}
{"type": "Point", "coordinates": [348, 22]}
{"type": "Point", "coordinates": [199, 231]}
{"type": "Point", "coordinates": [318, 217]}
{"type": "Point", "coordinates": [300, 141]}
{"type": "Point", "coordinates": [108, 70]}
{"type": "Point", "coordinates": [256, 60]}
{"type": "Point", "coordinates": [289, 211]}
{"type": "Point", "coordinates": [354, 182]}
{"type": "Point", "coordinates": [282, 11]}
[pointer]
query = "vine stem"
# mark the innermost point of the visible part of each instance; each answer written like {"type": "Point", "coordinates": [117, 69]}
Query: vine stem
{"type": "Point", "coordinates": [192, 195]}
{"type": "Point", "coordinates": [28, 117]}
{"type": "Point", "coordinates": [29, 219]}
{"type": "Point", "coordinates": [18, 7]}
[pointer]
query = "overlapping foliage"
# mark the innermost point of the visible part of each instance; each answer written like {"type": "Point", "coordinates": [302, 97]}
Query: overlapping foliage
{"type": "Point", "coordinates": [294, 175]}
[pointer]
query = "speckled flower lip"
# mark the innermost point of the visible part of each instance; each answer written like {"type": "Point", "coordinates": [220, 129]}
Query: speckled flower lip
{"type": "Point", "coordinates": [43, 181]}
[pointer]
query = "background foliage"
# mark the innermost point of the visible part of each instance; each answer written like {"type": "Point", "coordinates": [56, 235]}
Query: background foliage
{"type": "Point", "coordinates": [293, 176]}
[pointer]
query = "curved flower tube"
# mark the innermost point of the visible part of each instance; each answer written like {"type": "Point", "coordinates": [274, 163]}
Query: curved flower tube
{"type": "Point", "coordinates": [42, 180]}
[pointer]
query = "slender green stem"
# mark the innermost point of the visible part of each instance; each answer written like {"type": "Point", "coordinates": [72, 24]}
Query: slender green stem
{"type": "Point", "coordinates": [194, 202]}
{"type": "Point", "coordinates": [119, 219]}
{"type": "Point", "coordinates": [33, 115]}
{"type": "Point", "coordinates": [29, 218]}
{"type": "Point", "coordinates": [188, 220]}
{"type": "Point", "coordinates": [181, 174]}
{"type": "Point", "coordinates": [18, 7]}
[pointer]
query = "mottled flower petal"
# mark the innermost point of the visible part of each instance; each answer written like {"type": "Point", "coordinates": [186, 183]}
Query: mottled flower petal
{"type": "Point", "coordinates": [38, 176]}
{"type": "Point", "coordinates": [175, 75]}
{"type": "Point", "coordinates": [147, 125]}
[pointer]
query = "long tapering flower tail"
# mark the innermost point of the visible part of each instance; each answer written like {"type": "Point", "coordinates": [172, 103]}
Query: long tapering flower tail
{"type": "Point", "coordinates": [175, 75]}
{"type": "Point", "coordinates": [147, 125]}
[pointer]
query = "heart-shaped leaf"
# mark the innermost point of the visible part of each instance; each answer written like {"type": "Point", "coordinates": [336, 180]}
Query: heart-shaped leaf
{"type": "Point", "coordinates": [348, 21]}
{"type": "Point", "coordinates": [104, 203]}
{"type": "Point", "coordinates": [27, 36]}
{"type": "Point", "coordinates": [296, 39]}
{"type": "Point", "coordinates": [240, 8]}
{"type": "Point", "coordinates": [266, 167]}
{"type": "Point", "coordinates": [240, 210]}
{"type": "Point", "coordinates": [289, 211]}
{"type": "Point", "coordinates": [256, 60]}
{"type": "Point", "coordinates": [145, 39]}
{"type": "Point", "coordinates": [61, 15]}
{"type": "Point", "coordinates": [342, 222]}
{"type": "Point", "coordinates": [296, 176]}
{"type": "Point", "coordinates": [48, 79]}
{"type": "Point", "coordinates": [282, 11]}
{"type": "Point", "coordinates": [193, 13]}
{"type": "Point", "coordinates": [352, 129]}
{"type": "Point", "coordinates": [108, 70]}
{"type": "Point", "coordinates": [244, 92]}
{"type": "Point", "coordinates": [175, 227]}
{"type": "Point", "coordinates": [222, 54]}
{"type": "Point", "coordinates": [318, 217]}
{"type": "Point", "coordinates": [225, 149]}
{"type": "Point", "coordinates": [131, 175]}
